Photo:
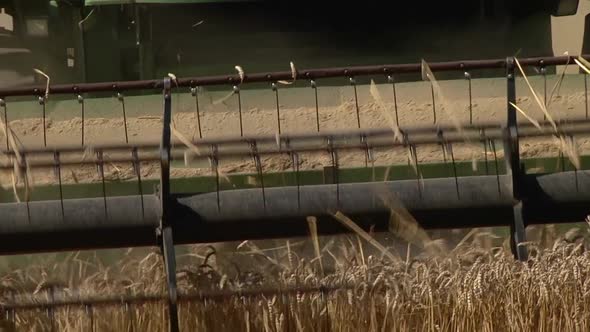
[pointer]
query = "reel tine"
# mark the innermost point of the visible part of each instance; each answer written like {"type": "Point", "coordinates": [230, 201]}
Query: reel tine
{"type": "Point", "coordinates": [356, 101]}
{"type": "Point", "coordinates": [433, 103]}
{"type": "Point", "coordinates": [391, 80]}
{"type": "Point", "coordinates": [100, 165]}
{"type": "Point", "coordinates": [81, 102]}
{"type": "Point", "coordinates": [215, 168]}
{"type": "Point", "coordinates": [57, 170]}
{"type": "Point", "coordinates": [296, 165]}
{"type": "Point", "coordinates": [317, 107]}
{"type": "Point", "coordinates": [295, 162]}
{"type": "Point", "coordinates": [439, 134]}
{"type": "Point", "coordinates": [259, 170]}
{"type": "Point", "coordinates": [27, 189]}
{"type": "Point", "coordinates": [573, 142]}
{"type": "Point", "coordinates": [367, 150]}
{"type": "Point", "coordinates": [450, 149]}
{"type": "Point", "coordinates": [137, 170]}
{"type": "Point", "coordinates": [42, 103]}
{"type": "Point", "coordinates": [493, 147]}
{"type": "Point", "coordinates": [543, 71]}
{"type": "Point", "coordinates": [561, 161]}
{"type": "Point", "coordinates": [586, 93]}
{"type": "Point", "coordinates": [51, 310]}
{"type": "Point", "coordinates": [130, 316]}
{"type": "Point", "coordinates": [90, 313]}
{"type": "Point", "coordinates": [334, 160]}
{"type": "Point", "coordinates": [275, 88]}
{"type": "Point", "coordinates": [121, 99]}
{"type": "Point", "coordinates": [195, 93]}
{"type": "Point", "coordinates": [3, 105]}
{"type": "Point", "coordinates": [468, 78]}
{"type": "Point", "coordinates": [485, 150]}
{"type": "Point", "coordinates": [414, 156]}
{"type": "Point", "coordinates": [239, 95]}
{"type": "Point", "coordinates": [418, 173]}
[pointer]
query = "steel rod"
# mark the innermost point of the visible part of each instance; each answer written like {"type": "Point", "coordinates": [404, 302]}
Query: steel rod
{"type": "Point", "coordinates": [385, 139]}
{"type": "Point", "coordinates": [309, 74]}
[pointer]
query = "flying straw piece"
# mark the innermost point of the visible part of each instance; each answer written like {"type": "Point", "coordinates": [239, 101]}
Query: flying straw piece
{"type": "Point", "coordinates": [582, 65]}
{"type": "Point", "coordinates": [48, 79]}
{"type": "Point", "coordinates": [81, 23]}
{"type": "Point", "coordinates": [313, 230]}
{"type": "Point", "coordinates": [192, 148]}
{"type": "Point", "coordinates": [348, 223]}
{"type": "Point", "coordinates": [293, 74]}
{"type": "Point", "coordinates": [428, 76]}
{"type": "Point", "coordinates": [240, 73]}
{"type": "Point", "coordinates": [557, 84]}
{"type": "Point", "coordinates": [229, 95]}
{"type": "Point", "coordinates": [533, 121]}
{"type": "Point", "coordinates": [541, 105]}
{"type": "Point", "coordinates": [568, 147]}
{"type": "Point", "coordinates": [173, 78]}
{"type": "Point", "coordinates": [397, 134]}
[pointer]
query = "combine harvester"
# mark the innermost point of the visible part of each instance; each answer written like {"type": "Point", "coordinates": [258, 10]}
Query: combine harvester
{"type": "Point", "coordinates": [500, 191]}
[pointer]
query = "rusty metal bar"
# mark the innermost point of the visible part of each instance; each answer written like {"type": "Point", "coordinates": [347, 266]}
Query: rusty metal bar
{"type": "Point", "coordinates": [35, 302]}
{"type": "Point", "coordinates": [308, 74]}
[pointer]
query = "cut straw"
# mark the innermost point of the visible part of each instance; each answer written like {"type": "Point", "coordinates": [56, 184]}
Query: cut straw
{"type": "Point", "coordinates": [351, 225]}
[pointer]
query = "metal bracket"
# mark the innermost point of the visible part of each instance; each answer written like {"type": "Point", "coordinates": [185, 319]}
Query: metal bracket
{"type": "Point", "coordinates": [514, 168]}
{"type": "Point", "coordinates": [165, 229]}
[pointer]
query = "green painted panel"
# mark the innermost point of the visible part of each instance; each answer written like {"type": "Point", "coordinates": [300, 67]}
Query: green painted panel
{"type": "Point", "coordinates": [313, 177]}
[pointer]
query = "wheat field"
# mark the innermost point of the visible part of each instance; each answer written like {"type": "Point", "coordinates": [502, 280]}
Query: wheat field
{"type": "Point", "coordinates": [475, 285]}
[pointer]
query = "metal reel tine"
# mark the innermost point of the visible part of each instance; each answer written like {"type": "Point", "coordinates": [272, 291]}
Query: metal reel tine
{"type": "Point", "coordinates": [468, 78]}
{"type": "Point", "coordinates": [27, 189]}
{"type": "Point", "coordinates": [3, 105]}
{"type": "Point", "coordinates": [58, 176]}
{"type": "Point", "coordinates": [493, 147]}
{"type": "Point", "coordinates": [439, 134]}
{"type": "Point", "coordinates": [137, 170]}
{"type": "Point", "coordinates": [356, 101]}
{"type": "Point", "coordinates": [414, 155]}
{"type": "Point", "coordinates": [259, 170]}
{"type": "Point", "coordinates": [100, 165]}
{"type": "Point", "coordinates": [586, 93]}
{"type": "Point", "coordinates": [195, 93]}
{"type": "Point", "coordinates": [544, 73]}
{"type": "Point", "coordinates": [295, 162]}
{"type": "Point", "coordinates": [366, 149]}
{"type": "Point", "coordinates": [317, 106]}
{"type": "Point", "coordinates": [121, 99]}
{"type": "Point", "coordinates": [51, 310]}
{"type": "Point", "coordinates": [82, 111]}
{"type": "Point", "coordinates": [42, 103]}
{"type": "Point", "coordinates": [239, 96]}
{"type": "Point", "coordinates": [334, 160]}
{"type": "Point", "coordinates": [215, 168]}
{"type": "Point", "coordinates": [450, 150]}
{"type": "Point", "coordinates": [275, 88]}
{"type": "Point", "coordinates": [391, 80]}
{"type": "Point", "coordinates": [130, 317]}
{"type": "Point", "coordinates": [90, 313]}
{"type": "Point", "coordinates": [485, 150]}
{"type": "Point", "coordinates": [433, 103]}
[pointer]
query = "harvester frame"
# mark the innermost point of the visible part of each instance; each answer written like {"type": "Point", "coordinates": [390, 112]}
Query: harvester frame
{"type": "Point", "coordinates": [515, 199]}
